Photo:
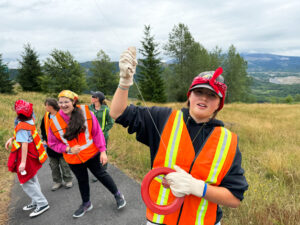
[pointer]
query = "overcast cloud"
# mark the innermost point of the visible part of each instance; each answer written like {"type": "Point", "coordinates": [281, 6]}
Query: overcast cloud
{"type": "Point", "coordinates": [85, 26]}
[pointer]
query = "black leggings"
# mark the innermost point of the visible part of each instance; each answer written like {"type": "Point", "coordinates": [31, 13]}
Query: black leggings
{"type": "Point", "coordinates": [81, 173]}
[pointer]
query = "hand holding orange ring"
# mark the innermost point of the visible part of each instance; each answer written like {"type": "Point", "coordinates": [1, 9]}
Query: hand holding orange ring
{"type": "Point", "coordinates": [159, 209]}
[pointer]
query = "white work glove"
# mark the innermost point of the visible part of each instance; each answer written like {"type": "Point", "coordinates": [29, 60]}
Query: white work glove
{"type": "Point", "coordinates": [183, 183]}
{"type": "Point", "coordinates": [127, 66]}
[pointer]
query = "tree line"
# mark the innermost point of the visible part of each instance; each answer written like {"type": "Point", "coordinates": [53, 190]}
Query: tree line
{"type": "Point", "coordinates": [155, 80]}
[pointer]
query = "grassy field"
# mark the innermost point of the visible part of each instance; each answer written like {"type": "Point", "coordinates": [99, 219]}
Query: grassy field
{"type": "Point", "coordinates": [269, 139]}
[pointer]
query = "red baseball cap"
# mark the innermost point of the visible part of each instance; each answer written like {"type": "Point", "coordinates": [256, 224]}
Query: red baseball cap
{"type": "Point", "coordinates": [23, 107]}
{"type": "Point", "coordinates": [211, 80]}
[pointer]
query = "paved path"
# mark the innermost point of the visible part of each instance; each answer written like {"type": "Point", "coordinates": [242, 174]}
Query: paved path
{"type": "Point", "coordinates": [64, 202]}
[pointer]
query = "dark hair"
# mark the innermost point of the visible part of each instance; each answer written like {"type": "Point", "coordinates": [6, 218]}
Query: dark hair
{"type": "Point", "coordinates": [52, 102]}
{"type": "Point", "coordinates": [23, 118]}
{"type": "Point", "coordinates": [76, 123]}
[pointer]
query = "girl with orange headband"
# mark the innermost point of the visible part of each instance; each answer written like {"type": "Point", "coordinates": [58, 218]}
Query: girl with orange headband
{"type": "Point", "coordinates": [75, 132]}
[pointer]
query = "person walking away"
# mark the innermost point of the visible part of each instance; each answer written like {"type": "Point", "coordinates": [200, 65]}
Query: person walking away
{"type": "Point", "coordinates": [100, 109]}
{"type": "Point", "coordinates": [26, 157]}
{"type": "Point", "coordinates": [75, 132]}
{"type": "Point", "coordinates": [60, 170]}
{"type": "Point", "coordinates": [204, 154]}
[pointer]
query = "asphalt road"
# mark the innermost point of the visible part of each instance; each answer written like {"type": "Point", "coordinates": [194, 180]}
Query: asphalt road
{"type": "Point", "coordinates": [64, 202]}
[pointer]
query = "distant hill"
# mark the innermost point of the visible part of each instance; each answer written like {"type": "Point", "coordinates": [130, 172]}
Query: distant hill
{"type": "Point", "coordinates": [273, 75]}
{"type": "Point", "coordinates": [269, 62]}
{"type": "Point", "coordinates": [13, 73]}
{"type": "Point", "coordinates": [256, 63]}
{"type": "Point", "coordinates": [88, 65]}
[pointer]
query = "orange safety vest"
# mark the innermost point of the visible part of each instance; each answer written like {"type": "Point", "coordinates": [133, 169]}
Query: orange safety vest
{"type": "Point", "coordinates": [46, 122]}
{"type": "Point", "coordinates": [211, 165]}
{"type": "Point", "coordinates": [36, 139]}
{"type": "Point", "coordinates": [85, 139]}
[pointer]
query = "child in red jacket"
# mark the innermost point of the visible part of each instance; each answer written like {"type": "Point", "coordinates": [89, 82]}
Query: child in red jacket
{"type": "Point", "coordinates": [26, 156]}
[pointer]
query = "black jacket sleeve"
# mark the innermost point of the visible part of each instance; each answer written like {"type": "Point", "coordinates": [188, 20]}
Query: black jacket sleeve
{"type": "Point", "coordinates": [235, 180]}
{"type": "Point", "coordinates": [147, 123]}
{"type": "Point", "coordinates": [43, 130]}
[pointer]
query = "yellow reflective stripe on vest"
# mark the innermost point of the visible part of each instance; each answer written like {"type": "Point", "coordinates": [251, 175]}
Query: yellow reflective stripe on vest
{"type": "Point", "coordinates": [173, 144]}
{"type": "Point", "coordinates": [42, 155]}
{"type": "Point", "coordinates": [201, 212]}
{"type": "Point", "coordinates": [16, 144]}
{"type": "Point", "coordinates": [103, 119]}
{"type": "Point", "coordinates": [216, 167]}
{"type": "Point", "coordinates": [34, 134]}
{"type": "Point", "coordinates": [38, 145]}
{"type": "Point", "coordinates": [159, 178]}
{"type": "Point", "coordinates": [170, 159]}
{"type": "Point", "coordinates": [220, 156]}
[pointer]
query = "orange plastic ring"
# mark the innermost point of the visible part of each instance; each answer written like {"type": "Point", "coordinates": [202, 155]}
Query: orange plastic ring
{"type": "Point", "coordinates": [159, 209]}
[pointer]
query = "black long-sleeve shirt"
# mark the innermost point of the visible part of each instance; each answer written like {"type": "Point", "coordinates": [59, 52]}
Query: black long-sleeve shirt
{"type": "Point", "coordinates": [148, 129]}
{"type": "Point", "coordinates": [50, 151]}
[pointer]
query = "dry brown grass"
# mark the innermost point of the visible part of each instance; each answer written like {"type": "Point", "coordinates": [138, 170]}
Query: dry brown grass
{"type": "Point", "coordinates": [269, 139]}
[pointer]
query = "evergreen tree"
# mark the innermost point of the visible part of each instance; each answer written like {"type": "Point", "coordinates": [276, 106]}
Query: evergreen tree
{"type": "Point", "coordinates": [149, 77]}
{"type": "Point", "coordinates": [62, 72]}
{"type": "Point", "coordinates": [104, 77]}
{"type": "Point", "coordinates": [30, 70]}
{"type": "Point", "coordinates": [236, 78]}
{"type": "Point", "coordinates": [168, 76]}
{"type": "Point", "coordinates": [197, 61]}
{"type": "Point", "coordinates": [6, 85]}
{"type": "Point", "coordinates": [190, 58]}
{"type": "Point", "coordinates": [216, 59]}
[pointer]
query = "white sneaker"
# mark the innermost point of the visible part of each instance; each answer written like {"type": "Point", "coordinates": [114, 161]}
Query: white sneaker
{"type": "Point", "coordinates": [29, 207]}
{"type": "Point", "coordinates": [39, 211]}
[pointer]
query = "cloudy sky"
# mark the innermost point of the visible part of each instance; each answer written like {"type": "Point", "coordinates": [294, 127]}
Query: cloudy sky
{"type": "Point", "coordinates": [83, 27]}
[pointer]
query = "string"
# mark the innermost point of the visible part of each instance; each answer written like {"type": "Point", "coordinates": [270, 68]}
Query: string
{"type": "Point", "coordinates": [135, 82]}
{"type": "Point", "coordinates": [198, 130]}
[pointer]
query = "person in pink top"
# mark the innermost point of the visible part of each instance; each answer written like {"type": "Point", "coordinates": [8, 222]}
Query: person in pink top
{"type": "Point", "coordinates": [75, 132]}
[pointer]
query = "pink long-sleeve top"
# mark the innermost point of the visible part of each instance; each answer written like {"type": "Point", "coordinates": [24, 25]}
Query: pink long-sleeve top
{"type": "Point", "coordinates": [97, 135]}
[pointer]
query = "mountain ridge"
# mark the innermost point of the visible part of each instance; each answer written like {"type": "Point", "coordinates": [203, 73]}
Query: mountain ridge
{"type": "Point", "coordinates": [258, 62]}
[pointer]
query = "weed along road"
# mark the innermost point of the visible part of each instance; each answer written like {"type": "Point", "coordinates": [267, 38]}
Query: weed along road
{"type": "Point", "coordinates": [64, 202]}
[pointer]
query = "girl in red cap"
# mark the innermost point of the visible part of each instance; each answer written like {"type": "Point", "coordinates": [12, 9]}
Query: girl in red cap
{"type": "Point", "coordinates": [26, 157]}
{"type": "Point", "coordinates": [204, 154]}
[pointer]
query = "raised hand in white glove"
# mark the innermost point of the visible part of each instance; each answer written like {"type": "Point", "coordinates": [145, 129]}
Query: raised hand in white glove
{"type": "Point", "coordinates": [127, 66]}
{"type": "Point", "coordinates": [183, 183]}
